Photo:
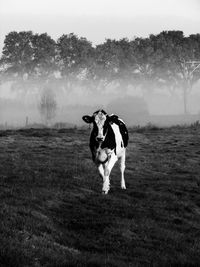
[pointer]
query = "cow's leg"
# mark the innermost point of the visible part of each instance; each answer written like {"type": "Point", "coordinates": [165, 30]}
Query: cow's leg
{"type": "Point", "coordinates": [101, 170]}
{"type": "Point", "coordinates": [106, 184]}
{"type": "Point", "coordinates": [122, 169]}
{"type": "Point", "coordinates": [107, 170]}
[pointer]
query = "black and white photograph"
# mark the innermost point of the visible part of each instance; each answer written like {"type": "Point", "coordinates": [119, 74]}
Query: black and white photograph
{"type": "Point", "coordinates": [99, 133]}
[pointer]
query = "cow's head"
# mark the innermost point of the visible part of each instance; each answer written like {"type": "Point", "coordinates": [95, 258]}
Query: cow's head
{"type": "Point", "coordinates": [101, 121]}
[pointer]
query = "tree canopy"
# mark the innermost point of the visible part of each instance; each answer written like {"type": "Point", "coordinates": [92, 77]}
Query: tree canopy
{"type": "Point", "coordinates": [168, 60]}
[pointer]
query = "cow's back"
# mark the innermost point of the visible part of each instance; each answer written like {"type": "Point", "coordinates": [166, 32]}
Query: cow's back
{"type": "Point", "coordinates": [123, 130]}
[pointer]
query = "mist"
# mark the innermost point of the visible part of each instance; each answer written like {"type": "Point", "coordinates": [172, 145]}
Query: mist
{"type": "Point", "coordinates": [136, 106]}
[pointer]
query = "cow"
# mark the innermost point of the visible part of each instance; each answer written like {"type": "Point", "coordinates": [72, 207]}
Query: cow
{"type": "Point", "coordinates": [108, 142]}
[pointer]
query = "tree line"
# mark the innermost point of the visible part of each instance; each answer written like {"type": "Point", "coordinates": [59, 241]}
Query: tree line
{"type": "Point", "coordinates": [168, 60]}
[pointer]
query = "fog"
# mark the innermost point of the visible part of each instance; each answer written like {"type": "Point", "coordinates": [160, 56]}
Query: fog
{"type": "Point", "coordinates": [19, 106]}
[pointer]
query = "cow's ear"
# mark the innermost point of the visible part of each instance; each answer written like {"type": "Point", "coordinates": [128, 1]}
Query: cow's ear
{"type": "Point", "coordinates": [88, 119]}
{"type": "Point", "coordinates": [113, 118]}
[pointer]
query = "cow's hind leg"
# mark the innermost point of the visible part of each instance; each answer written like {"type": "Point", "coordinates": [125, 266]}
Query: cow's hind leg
{"type": "Point", "coordinates": [122, 169]}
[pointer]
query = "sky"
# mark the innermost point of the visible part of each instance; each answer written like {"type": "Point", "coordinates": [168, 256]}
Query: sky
{"type": "Point", "coordinates": [98, 20]}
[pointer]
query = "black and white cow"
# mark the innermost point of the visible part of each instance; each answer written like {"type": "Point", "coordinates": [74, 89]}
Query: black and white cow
{"type": "Point", "coordinates": [108, 142]}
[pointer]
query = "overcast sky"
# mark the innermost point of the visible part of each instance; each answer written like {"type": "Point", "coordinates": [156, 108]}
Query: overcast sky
{"type": "Point", "coordinates": [99, 19]}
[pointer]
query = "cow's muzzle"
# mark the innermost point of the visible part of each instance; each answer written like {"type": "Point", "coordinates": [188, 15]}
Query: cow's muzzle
{"type": "Point", "coordinates": [99, 139]}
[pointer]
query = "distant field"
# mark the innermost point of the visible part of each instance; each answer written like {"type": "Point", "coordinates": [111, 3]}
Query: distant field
{"type": "Point", "coordinates": [52, 212]}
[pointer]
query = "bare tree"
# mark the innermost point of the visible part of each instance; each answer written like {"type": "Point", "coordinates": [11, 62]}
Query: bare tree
{"type": "Point", "coordinates": [47, 105]}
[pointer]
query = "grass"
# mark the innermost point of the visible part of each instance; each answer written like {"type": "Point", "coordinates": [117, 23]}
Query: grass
{"type": "Point", "coordinates": [52, 212]}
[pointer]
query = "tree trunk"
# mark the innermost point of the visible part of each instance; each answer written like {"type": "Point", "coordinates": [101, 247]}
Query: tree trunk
{"type": "Point", "coordinates": [186, 90]}
{"type": "Point", "coordinates": [185, 100]}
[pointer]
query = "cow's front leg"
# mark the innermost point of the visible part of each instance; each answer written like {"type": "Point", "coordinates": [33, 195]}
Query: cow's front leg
{"type": "Point", "coordinates": [101, 170]}
{"type": "Point", "coordinates": [107, 169]}
{"type": "Point", "coordinates": [106, 183]}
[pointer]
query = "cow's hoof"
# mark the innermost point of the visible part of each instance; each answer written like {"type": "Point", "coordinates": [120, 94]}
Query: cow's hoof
{"type": "Point", "coordinates": [123, 187]}
{"type": "Point", "coordinates": [104, 192]}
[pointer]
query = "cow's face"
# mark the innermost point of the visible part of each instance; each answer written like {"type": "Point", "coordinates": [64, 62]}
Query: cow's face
{"type": "Point", "coordinates": [100, 123]}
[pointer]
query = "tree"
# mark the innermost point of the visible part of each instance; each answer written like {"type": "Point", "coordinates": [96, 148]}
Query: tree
{"type": "Point", "coordinates": [111, 64]}
{"type": "Point", "coordinates": [75, 58]}
{"type": "Point", "coordinates": [189, 66]}
{"type": "Point", "coordinates": [145, 59]}
{"type": "Point", "coordinates": [44, 55]}
{"type": "Point", "coordinates": [177, 52]}
{"type": "Point", "coordinates": [17, 55]}
{"type": "Point", "coordinates": [47, 105]}
{"type": "Point", "coordinates": [28, 60]}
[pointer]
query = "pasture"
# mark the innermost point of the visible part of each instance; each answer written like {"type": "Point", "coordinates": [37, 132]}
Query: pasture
{"type": "Point", "coordinates": [52, 212]}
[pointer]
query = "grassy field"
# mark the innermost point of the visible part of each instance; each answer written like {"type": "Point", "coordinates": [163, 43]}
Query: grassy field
{"type": "Point", "coordinates": [52, 212]}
